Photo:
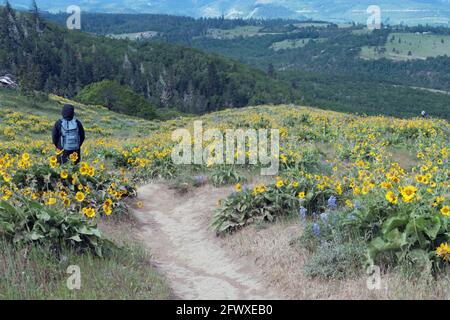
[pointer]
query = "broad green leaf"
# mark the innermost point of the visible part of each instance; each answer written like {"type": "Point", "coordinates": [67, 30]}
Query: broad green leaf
{"type": "Point", "coordinates": [44, 216]}
{"type": "Point", "coordinates": [394, 222]}
{"type": "Point", "coordinates": [396, 239]}
{"type": "Point", "coordinates": [430, 226]}
{"type": "Point", "coordinates": [76, 238]}
{"type": "Point", "coordinates": [85, 230]}
{"type": "Point", "coordinates": [35, 236]}
{"type": "Point", "coordinates": [7, 207]}
{"type": "Point", "coordinates": [96, 232]}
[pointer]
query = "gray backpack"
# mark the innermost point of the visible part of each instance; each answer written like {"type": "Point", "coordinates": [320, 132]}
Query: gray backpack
{"type": "Point", "coordinates": [70, 137]}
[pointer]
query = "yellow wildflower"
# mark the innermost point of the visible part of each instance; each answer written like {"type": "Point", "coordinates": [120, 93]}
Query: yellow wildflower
{"type": "Point", "coordinates": [445, 210]}
{"type": "Point", "coordinates": [80, 196]}
{"type": "Point", "coordinates": [391, 197]}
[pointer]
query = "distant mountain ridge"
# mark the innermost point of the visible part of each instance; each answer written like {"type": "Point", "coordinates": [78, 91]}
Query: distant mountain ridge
{"type": "Point", "coordinates": [405, 11]}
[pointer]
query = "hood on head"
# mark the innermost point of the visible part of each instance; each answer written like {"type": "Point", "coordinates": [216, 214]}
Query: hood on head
{"type": "Point", "coordinates": [68, 112]}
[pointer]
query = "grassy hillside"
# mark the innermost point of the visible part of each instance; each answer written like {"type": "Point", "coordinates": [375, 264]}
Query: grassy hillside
{"type": "Point", "coordinates": [339, 67]}
{"type": "Point", "coordinates": [409, 46]}
{"type": "Point", "coordinates": [352, 179]}
{"type": "Point", "coordinates": [366, 97]}
{"type": "Point", "coordinates": [25, 128]}
{"type": "Point", "coordinates": [293, 44]}
{"type": "Point", "coordinates": [47, 57]}
{"type": "Point", "coordinates": [41, 113]}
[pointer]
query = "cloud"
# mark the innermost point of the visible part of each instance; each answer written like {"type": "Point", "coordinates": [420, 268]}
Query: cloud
{"type": "Point", "coordinates": [266, 2]}
{"type": "Point", "coordinates": [211, 12]}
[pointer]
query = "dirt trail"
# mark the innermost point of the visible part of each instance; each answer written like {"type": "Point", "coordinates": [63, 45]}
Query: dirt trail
{"type": "Point", "coordinates": [186, 250]}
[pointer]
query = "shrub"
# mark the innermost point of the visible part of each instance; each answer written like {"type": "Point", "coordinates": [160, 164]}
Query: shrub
{"type": "Point", "coordinates": [119, 98]}
{"type": "Point", "coordinates": [256, 204]}
{"type": "Point", "coordinates": [29, 222]}
{"type": "Point", "coordinates": [267, 203]}
{"type": "Point", "coordinates": [335, 260]}
{"type": "Point", "coordinates": [337, 250]}
{"type": "Point", "coordinates": [223, 175]}
{"type": "Point", "coordinates": [57, 185]}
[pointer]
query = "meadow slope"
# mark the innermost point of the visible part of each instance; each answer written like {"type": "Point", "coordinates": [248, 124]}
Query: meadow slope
{"type": "Point", "coordinates": [351, 191]}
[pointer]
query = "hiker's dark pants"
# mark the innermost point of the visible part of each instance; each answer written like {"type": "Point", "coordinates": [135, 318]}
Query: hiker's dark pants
{"type": "Point", "coordinates": [64, 157]}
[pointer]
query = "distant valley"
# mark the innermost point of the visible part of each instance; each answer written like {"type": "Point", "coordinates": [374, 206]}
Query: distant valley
{"type": "Point", "coordinates": [341, 66]}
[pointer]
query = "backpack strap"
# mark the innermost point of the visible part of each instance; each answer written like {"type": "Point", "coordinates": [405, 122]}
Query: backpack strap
{"type": "Point", "coordinates": [61, 131]}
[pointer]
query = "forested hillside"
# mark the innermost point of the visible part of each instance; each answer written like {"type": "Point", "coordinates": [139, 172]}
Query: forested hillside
{"type": "Point", "coordinates": [46, 57]}
{"type": "Point", "coordinates": [170, 28]}
{"type": "Point", "coordinates": [342, 67]}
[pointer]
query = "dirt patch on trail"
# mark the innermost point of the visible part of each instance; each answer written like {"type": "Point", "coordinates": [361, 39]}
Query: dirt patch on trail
{"type": "Point", "coordinates": [177, 230]}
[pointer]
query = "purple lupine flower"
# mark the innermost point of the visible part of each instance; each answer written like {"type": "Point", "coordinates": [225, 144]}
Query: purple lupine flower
{"type": "Point", "coordinates": [199, 180]}
{"type": "Point", "coordinates": [357, 205]}
{"type": "Point", "coordinates": [316, 229]}
{"type": "Point", "coordinates": [332, 202]}
{"type": "Point", "coordinates": [303, 211]}
{"type": "Point", "coordinates": [324, 217]}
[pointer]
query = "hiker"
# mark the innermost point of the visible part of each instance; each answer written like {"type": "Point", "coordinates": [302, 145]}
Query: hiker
{"type": "Point", "coordinates": [424, 114]}
{"type": "Point", "coordinates": [68, 135]}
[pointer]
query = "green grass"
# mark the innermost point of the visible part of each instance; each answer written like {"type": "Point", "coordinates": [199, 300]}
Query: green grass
{"type": "Point", "coordinates": [135, 35]}
{"type": "Point", "coordinates": [34, 274]}
{"type": "Point", "coordinates": [406, 158]}
{"type": "Point", "coordinates": [408, 46]}
{"type": "Point", "coordinates": [293, 43]}
{"type": "Point", "coordinates": [99, 121]}
{"type": "Point", "coordinates": [360, 32]}
{"type": "Point", "coordinates": [40, 105]}
{"type": "Point", "coordinates": [245, 31]}
{"type": "Point", "coordinates": [312, 24]}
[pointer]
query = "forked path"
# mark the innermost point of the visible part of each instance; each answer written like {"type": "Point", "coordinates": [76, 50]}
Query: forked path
{"type": "Point", "coordinates": [177, 230]}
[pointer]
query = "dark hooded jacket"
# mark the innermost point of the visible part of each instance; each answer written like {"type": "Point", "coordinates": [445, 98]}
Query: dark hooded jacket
{"type": "Point", "coordinates": [68, 113]}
